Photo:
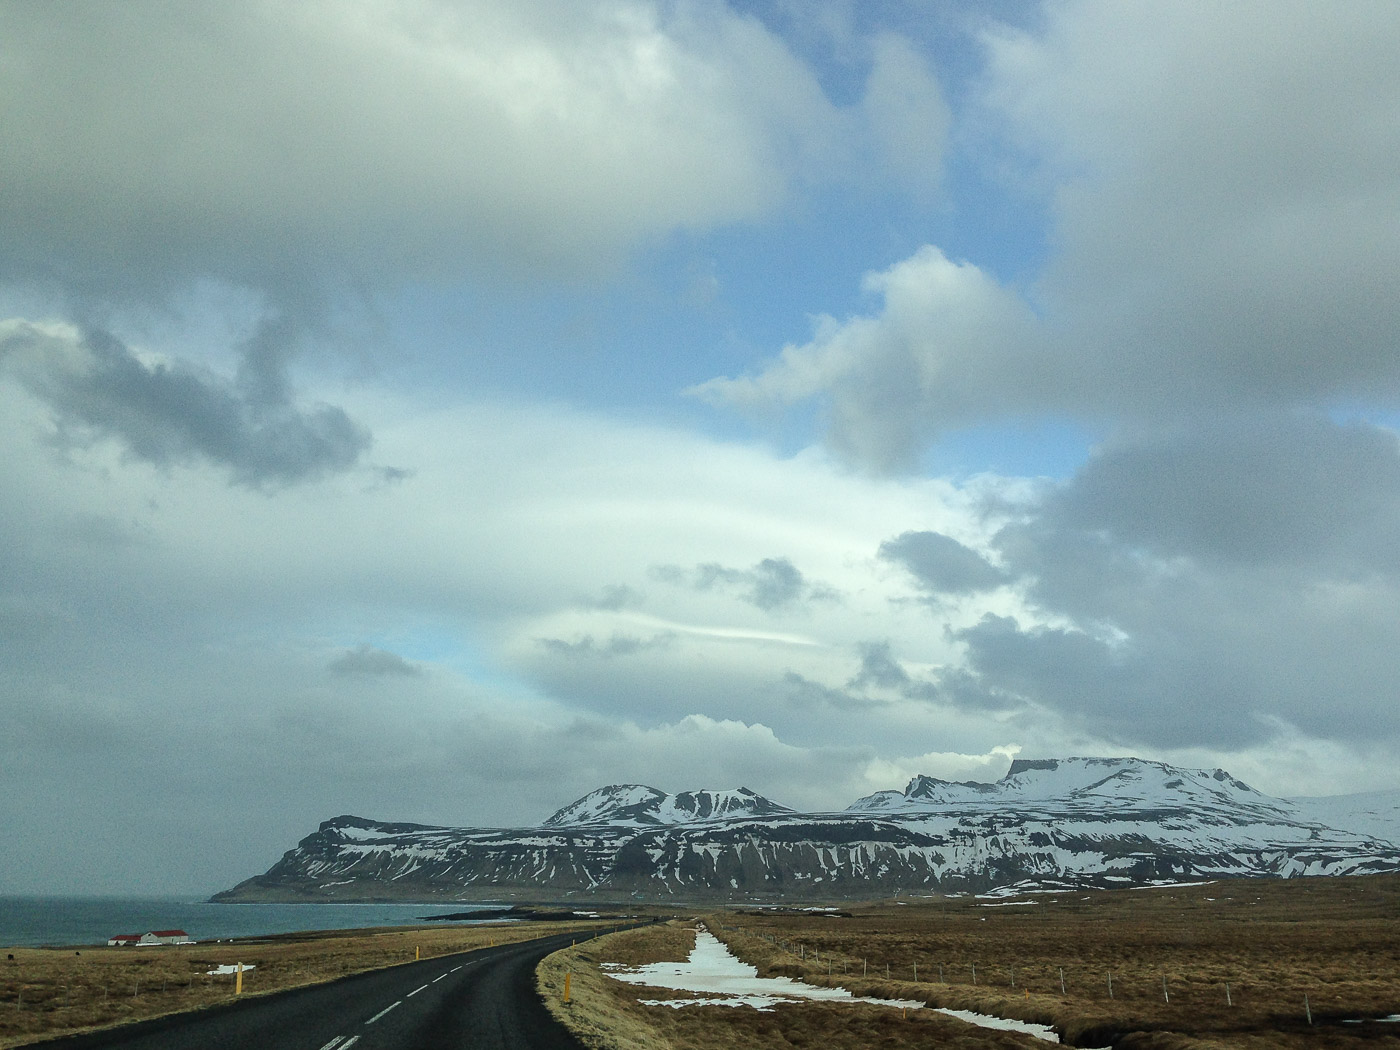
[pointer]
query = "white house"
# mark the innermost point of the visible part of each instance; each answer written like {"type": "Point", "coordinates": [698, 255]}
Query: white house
{"type": "Point", "coordinates": [151, 937]}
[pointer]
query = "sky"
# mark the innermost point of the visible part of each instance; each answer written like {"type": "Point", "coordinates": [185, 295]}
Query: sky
{"type": "Point", "coordinates": [433, 410]}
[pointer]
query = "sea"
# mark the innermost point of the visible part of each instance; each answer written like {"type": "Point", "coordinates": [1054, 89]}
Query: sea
{"type": "Point", "coordinates": [76, 921]}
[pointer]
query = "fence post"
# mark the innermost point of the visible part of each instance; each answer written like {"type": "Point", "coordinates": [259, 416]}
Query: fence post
{"type": "Point", "coordinates": [1062, 981]}
{"type": "Point", "coordinates": [1165, 997]}
{"type": "Point", "coordinates": [916, 973]}
{"type": "Point", "coordinates": [1306, 1008]}
{"type": "Point", "coordinates": [1110, 984]}
{"type": "Point", "coordinates": [974, 973]}
{"type": "Point", "coordinates": [1228, 1000]}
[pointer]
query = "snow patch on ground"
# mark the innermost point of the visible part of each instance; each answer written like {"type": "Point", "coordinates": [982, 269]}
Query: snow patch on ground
{"type": "Point", "coordinates": [1005, 1024]}
{"type": "Point", "coordinates": [719, 979]}
{"type": "Point", "coordinates": [225, 970]}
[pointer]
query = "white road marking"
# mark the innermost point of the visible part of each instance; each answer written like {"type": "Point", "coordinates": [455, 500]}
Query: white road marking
{"type": "Point", "coordinates": [381, 1014]}
{"type": "Point", "coordinates": [438, 978]}
{"type": "Point", "coordinates": [350, 1042]}
{"type": "Point", "coordinates": [334, 1043]}
{"type": "Point", "coordinates": [415, 991]}
{"type": "Point", "coordinates": [455, 969]}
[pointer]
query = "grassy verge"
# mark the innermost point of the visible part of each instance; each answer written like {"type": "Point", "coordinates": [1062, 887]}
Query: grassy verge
{"type": "Point", "coordinates": [601, 1012]}
{"type": "Point", "coordinates": [51, 992]}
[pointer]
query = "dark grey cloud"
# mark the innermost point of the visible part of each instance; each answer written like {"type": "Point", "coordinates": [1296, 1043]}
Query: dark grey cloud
{"type": "Point", "coordinates": [614, 645]}
{"type": "Point", "coordinates": [878, 667]}
{"type": "Point", "coordinates": [613, 598]}
{"type": "Point", "coordinates": [1256, 490]}
{"type": "Point", "coordinates": [800, 691]}
{"type": "Point", "coordinates": [1141, 691]}
{"type": "Point", "coordinates": [772, 584]}
{"type": "Point", "coordinates": [941, 564]}
{"type": "Point", "coordinates": [366, 659]}
{"type": "Point", "coordinates": [1211, 586]}
{"type": "Point", "coordinates": [172, 413]}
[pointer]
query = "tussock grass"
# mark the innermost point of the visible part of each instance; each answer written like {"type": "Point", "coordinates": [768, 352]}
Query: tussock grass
{"type": "Point", "coordinates": [50, 992]}
{"type": "Point", "coordinates": [1334, 941]}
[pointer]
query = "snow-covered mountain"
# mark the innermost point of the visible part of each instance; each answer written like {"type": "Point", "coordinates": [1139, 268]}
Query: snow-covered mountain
{"type": "Point", "coordinates": [1047, 823]}
{"type": "Point", "coordinates": [635, 805]}
{"type": "Point", "coordinates": [1084, 785]}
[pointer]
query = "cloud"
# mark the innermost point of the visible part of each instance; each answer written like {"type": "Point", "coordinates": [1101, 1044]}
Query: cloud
{"type": "Point", "coordinates": [945, 765]}
{"type": "Point", "coordinates": [365, 659]}
{"type": "Point", "coordinates": [772, 584]}
{"type": "Point", "coordinates": [1255, 490]}
{"type": "Point", "coordinates": [386, 140]}
{"type": "Point", "coordinates": [1212, 586]}
{"type": "Point", "coordinates": [1221, 241]}
{"type": "Point", "coordinates": [180, 608]}
{"type": "Point", "coordinates": [878, 667]}
{"type": "Point", "coordinates": [615, 645]}
{"type": "Point", "coordinates": [941, 564]}
{"type": "Point", "coordinates": [1219, 182]}
{"type": "Point", "coordinates": [932, 358]}
{"type": "Point", "coordinates": [906, 112]}
{"type": "Point", "coordinates": [170, 413]}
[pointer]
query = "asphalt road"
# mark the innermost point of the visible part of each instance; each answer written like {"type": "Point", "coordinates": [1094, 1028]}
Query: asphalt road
{"type": "Point", "coordinates": [481, 1000]}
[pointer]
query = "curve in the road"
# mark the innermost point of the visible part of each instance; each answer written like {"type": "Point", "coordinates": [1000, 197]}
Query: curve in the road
{"type": "Point", "coordinates": [479, 1000]}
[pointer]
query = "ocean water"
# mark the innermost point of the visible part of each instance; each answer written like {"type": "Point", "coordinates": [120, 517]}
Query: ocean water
{"type": "Point", "coordinates": [37, 921]}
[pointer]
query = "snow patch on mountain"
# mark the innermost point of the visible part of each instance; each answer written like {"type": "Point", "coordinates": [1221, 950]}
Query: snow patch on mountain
{"type": "Point", "coordinates": [635, 805]}
{"type": "Point", "coordinates": [1122, 785]}
{"type": "Point", "coordinates": [1372, 813]}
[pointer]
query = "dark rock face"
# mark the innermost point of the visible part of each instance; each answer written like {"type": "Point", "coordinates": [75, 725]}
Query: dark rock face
{"type": "Point", "coordinates": [1047, 823]}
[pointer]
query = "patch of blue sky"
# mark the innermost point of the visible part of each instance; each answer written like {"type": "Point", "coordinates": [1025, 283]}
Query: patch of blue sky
{"type": "Point", "coordinates": [832, 36]}
{"type": "Point", "coordinates": [1356, 411]}
{"type": "Point", "coordinates": [1047, 448]}
{"type": "Point", "coordinates": [700, 305]}
{"type": "Point", "coordinates": [430, 646]}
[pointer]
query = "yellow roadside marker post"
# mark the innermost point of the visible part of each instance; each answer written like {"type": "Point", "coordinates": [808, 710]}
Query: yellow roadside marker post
{"type": "Point", "coordinates": [238, 979]}
{"type": "Point", "coordinates": [416, 956]}
{"type": "Point", "coordinates": [566, 986]}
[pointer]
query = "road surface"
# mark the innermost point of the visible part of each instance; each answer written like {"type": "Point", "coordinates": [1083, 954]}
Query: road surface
{"type": "Point", "coordinates": [481, 1000]}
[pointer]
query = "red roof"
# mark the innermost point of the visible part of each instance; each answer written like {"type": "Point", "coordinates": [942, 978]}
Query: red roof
{"type": "Point", "coordinates": [125, 937]}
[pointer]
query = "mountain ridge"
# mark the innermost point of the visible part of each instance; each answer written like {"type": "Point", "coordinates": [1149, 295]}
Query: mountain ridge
{"type": "Point", "coordinates": [639, 805]}
{"type": "Point", "coordinates": [1047, 823]}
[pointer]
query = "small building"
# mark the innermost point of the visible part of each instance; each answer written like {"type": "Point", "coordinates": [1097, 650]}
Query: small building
{"type": "Point", "coordinates": [151, 937]}
{"type": "Point", "coordinates": [166, 937]}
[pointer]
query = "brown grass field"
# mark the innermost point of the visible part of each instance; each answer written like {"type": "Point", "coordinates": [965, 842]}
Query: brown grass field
{"type": "Point", "coordinates": [47, 992]}
{"type": "Point", "coordinates": [1286, 948]}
